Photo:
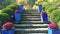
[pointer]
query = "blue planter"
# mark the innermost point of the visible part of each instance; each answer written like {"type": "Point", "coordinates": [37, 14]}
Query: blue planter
{"type": "Point", "coordinates": [40, 8]}
{"type": "Point", "coordinates": [44, 17]}
{"type": "Point", "coordinates": [8, 31]}
{"type": "Point", "coordinates": [21, 8]}
{"type": "Point", "coordinates": [53, 31]}
{"type": "Point", "coordinates": [17, 17]}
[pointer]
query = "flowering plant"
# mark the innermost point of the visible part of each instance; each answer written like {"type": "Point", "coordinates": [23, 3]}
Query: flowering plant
{"type": "Point", "coordinates": [16, 11]}
{"type": "Point", "coordinates": [53, 25]}
{"type": "Point", "coordinates": [8, 26]}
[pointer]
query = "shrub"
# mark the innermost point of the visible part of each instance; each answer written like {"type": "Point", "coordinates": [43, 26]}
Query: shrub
{"type": "Point", "coordinates": [13, 6]}
{"type": "Point", "coordinates": [49, 9]}
{"type": "Point", "coordinates": [44, 4]}
{"type": "Point", "coordinates": [55, 15]}
{"type": "Point", "coordinates": [4, 18]}
{"type": "Point", "coordinates": [9, 11]}
{"type": "Point", "coordinates": [58, 23]}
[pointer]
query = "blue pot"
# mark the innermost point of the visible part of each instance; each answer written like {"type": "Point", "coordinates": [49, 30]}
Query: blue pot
{"type": "Point", "coordinates": [21, 8]}
{"type": "Point", "coordinates": [17, 17]}
{"type": "Point", "coordinates": [40, 8]}
{"type": "Point", "coordinates": [53, 31]}
{"type": "Point", "coordinates": [8, 31]}
{"type": "Point", "coordinates": [44, 17]}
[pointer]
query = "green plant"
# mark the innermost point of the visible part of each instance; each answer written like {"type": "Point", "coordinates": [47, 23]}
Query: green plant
{"type": "Point", "coordinates": [4, 18]}
{"type": "Point", "coordinates": [55, 15]}
{"type": "Point", "coordinates": [9, 11]}
{"type": "Point", "coordinates": [31, 2]}
{"type": "Point", "coordinates": [13, 6]}
{"type": "Point", "coordinates": [4, 3]}
{"type": "Point", "coordinates": [49, 9]}
{"type": "Point", "coordinates": [44, 4]}
{"type": "Point", "coordinates": [58, 23]}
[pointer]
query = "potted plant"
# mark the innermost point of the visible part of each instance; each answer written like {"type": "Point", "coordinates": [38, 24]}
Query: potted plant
{"type": "Point", "coordinates": [53, 28]}
{"type": "Point", "coordinates": [8, 28]}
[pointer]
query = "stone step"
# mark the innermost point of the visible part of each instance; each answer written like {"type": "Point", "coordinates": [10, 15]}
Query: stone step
{"type": "Point", "coordinates": [32, 22]}
{"type": "Point", "coordinates": [32, 30]}
{"type": "Point", "coordinates": [30, 13]}
{"type": "Point", "coordinates": [30, 16]}
{"type": "Point", "coordinates": [23, 22]}
{"type": "Point", "coordinates": [31, 33]}
{"type": "Point", "coordinates": [30, 19]}
{"type": "Point", "coordinates": [31, 25]}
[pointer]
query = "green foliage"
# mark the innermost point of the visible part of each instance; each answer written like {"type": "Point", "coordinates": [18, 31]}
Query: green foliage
{"type": "Point", "coordinates": [49, 9]}
{"type": "Point", "coordinates": [9, 11]}
{"type": "Point", "coordinates": [44, 4]}
{"type": "Point", "coordinates": [58, 23]}
{"type": "Point", "coordinates": [13, 6]}
{"type": "Point", "coordinates": [31, 2]}
{"type": "Point", "coordinates": [4, 18]}
{"type": "Point", "coordinates": [55, 15]}
{"type": "Point", "coordinates": [5, 3]}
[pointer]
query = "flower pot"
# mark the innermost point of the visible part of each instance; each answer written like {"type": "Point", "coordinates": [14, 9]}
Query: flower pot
{"type": "Point", "coordinates": [17, 17]}
{"type": "Point", "coordinates": [21, 8]}
{"type": "Point", "coordinates": [44, 17]}
{"type": "Point", "coordinates": [53, 31]}
{"type": "Point", "coordinates": [8, 31]}
{"type": "Point", "coordinates": [40, 8]}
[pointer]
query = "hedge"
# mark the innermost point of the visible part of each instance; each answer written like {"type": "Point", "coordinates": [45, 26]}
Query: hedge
{"type": "Point", "coordinates": [49, 9]}
{"type": "Point", "coordinates": [4, 18]}
{"type": "Point", "coordinates": [9, 11]}
{"type": "Point", "coordinates": [13, 6]}
{"type": "Point", "coordinates": [55, 15]}
{"type": "Point", "coordinates": [58, 23]}
{"type": "Point", "coordinates": [44, 4]}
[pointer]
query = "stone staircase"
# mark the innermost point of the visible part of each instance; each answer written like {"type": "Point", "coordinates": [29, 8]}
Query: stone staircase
{"type": "Point", "coordinates": [31, 23]}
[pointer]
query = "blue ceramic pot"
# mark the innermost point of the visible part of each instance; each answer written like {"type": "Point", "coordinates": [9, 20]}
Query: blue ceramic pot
{"type": "Point", "coordinates": [53, 31]}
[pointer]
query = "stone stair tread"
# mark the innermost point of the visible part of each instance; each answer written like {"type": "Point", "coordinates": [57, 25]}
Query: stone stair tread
{"type": "Point", "coordinates": [37, 33]}
{"type": "Point", "coordinates": [31, 29]}
{"type": "Point", "coordinates": [33, 33]}
{"type": "Point", "coordinates": [30, 14]}
{"type": "Point", "coordinates": [32, 18]}
{"type": "Point", "coordinates": [31, 24]}
{"type": "Point", "coordinates": [31, 11]}
{"type": "Point", "coordinates": [28, 22]}
{"type": "Point", "coordinates": [31, 21]}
